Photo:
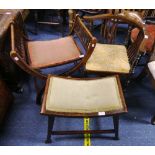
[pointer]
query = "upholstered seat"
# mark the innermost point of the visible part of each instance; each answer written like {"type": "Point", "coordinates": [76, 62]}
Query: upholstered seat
{"type": "Point", "coordinates": [83, 96]}
{"type": "Point", "coordinates": [53, 52]}
{"type": "Point", "coordinates": [148, 42]}
{"type": "Point", "coordinates": [68, 97]}
{"type": "Point", "coordinates": [110, 58]}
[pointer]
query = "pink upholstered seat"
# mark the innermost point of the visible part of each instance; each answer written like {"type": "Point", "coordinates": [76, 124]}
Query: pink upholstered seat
{"type": "Point", "coordinates": [53, 52]}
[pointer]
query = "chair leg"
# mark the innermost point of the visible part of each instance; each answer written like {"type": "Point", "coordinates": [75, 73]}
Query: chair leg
{"type": "Point", "coordinates": [143, 74]}
{"type": "Point", "coordinates": [39, 92]}
{"type": "Point", "coordinates": [116, 126]}
{"type": "Point", "coordinates": [36, 84]}
{"type": "Point", "coordinates": [39, 96]}
{"type": "Point", "coordinates": [49, 129]}
{"type": "Point", "coordinates": [126, 84]}
{"type": "Point", "coordinates": [128, 81]}
{"type": "Point", "coordinates": [130, 77]}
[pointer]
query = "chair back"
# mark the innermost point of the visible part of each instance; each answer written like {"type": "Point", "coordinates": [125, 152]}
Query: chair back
{"type": "Point", "coordinates": [148, 13]}
{"type": "Point", "coordinates": [83, 34]}
{"type": "Point", "coordinates": [134, 21]}
{"type": "Point", "coordinates": [86, 39]}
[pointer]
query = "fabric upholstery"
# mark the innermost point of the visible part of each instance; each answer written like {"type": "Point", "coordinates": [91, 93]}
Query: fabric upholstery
{"type": "Point", "coordinates": [48, 53]}
{"type": "Point", "coordinates": [107, 57]}
{"type": "Point", "coordinates": [83, 96]}
{"type": "Point", "coordinates": [147, 43]}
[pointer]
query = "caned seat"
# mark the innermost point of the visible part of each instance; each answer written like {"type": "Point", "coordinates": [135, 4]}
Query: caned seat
{"type": "Point", "coordinates": [109, 57]}
{"type": "Point", "coordinates": [67, 97]}
{"type": "Point", "coordinates": [52, 52]}
{"type": "Point", "coordinates": [105, 53]}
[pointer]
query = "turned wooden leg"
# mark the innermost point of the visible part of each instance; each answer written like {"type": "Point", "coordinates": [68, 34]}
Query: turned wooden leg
{"type": "Point", "coordinates": [127, 82]}
{"type": "Point", "coordinates": [116, 126]}
{"type": "Point", "coordinates": [153, 120]}
{"type": "Point", "coordinates": [49, 129]}
{"type": "Point", "coordinates": [39, 96]}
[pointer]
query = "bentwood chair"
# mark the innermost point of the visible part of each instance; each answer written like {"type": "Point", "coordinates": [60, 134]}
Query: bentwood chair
{"type": "Point", "coordinates": [114, 58]}
{"type": "Point", "coordinates": [32, 56]}
{"type": "Point", "coordinates": [83, 98]}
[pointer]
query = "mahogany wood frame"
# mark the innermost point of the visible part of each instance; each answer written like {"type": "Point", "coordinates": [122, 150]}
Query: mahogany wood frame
{"type": "Point", "coordinates": [50, 131]}
{"type": "Point", "coordinates": [51, 115]}
{"type": "Point", "coordinates": [19, 49]}
{"type": "Point", "coordinates": [128, 18]}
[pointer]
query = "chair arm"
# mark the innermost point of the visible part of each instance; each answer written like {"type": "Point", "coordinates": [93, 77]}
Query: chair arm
{"type": "Point", "coordinates": [22, 64]}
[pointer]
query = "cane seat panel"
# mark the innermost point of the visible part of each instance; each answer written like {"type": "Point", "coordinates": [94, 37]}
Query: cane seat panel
{"type": "Point", "coordinates": [105, 53]}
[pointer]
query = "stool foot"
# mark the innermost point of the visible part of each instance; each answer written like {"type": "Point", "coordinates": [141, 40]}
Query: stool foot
{"type": "Point", "coordinates": [116, 138]}
{"type": "Point", "coordinates": [49, 129]}
{"type": "Point", "coordinates": [47, 141]}
{"type": "Point", "coordinates": [116, 126]}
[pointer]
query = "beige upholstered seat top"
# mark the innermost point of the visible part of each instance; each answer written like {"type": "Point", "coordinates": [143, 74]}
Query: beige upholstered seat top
{"type": "Point", "coordinates": [109, 58]}
{"type": "Point", "coordinates": [83, 96]}
{"type": "Point", "coordinates": [52, 52]}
